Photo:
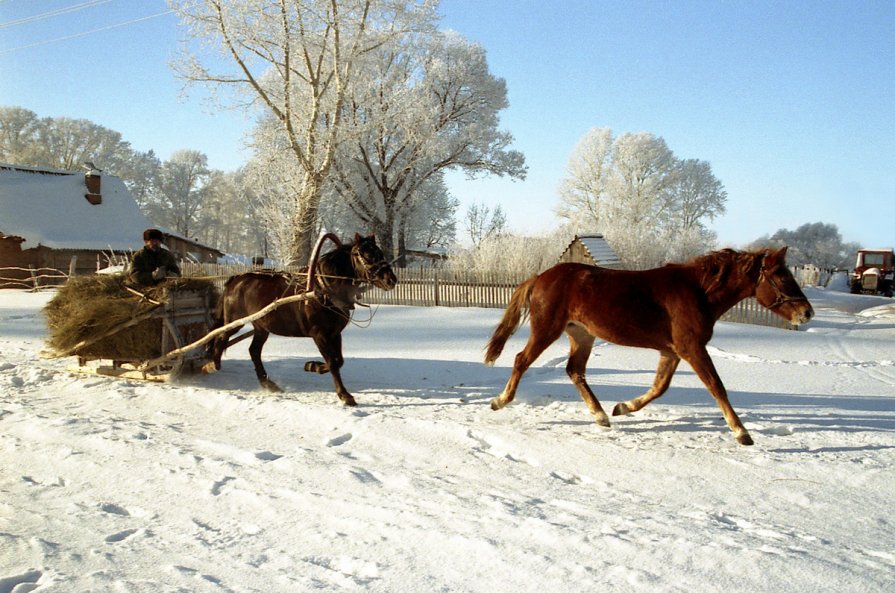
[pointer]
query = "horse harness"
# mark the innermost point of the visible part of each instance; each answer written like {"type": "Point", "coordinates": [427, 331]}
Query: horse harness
{"type": "Point", "coordinates": [324, 283]}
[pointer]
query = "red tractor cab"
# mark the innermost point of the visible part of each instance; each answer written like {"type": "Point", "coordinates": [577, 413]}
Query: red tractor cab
{"type": "Point", "coordinates": [874, 271]}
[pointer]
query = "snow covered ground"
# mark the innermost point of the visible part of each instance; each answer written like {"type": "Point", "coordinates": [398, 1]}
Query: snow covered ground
{"type": "Point", "coordinates": [211, 485]}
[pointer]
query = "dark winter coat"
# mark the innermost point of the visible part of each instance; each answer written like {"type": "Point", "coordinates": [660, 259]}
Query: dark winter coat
{"type": "Point", "coordinates": [146, 261]}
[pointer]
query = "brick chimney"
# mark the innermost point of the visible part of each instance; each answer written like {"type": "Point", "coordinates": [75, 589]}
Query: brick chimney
{"type": "Point", "coordinates": [93, 181]}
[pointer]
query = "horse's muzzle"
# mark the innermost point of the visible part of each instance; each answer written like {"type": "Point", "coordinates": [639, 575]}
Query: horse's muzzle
{"type": "Point", "coordinates": [386, 281]}
{"type": "Point", "coordinates": [802, 314]}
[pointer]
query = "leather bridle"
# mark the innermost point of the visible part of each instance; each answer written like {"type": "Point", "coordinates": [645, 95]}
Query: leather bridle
{"type": "Point", "coordinates": [781, 297]}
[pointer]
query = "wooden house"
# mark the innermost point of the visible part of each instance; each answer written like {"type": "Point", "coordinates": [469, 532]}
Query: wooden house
{"type": "Point", "coordinates": [591, 249]}
{"type": "Point", "coordinates": [72, 222]}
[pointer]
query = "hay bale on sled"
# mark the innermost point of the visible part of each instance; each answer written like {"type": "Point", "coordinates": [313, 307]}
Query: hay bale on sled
{"type": "Point", "coordinates": [90, 307]}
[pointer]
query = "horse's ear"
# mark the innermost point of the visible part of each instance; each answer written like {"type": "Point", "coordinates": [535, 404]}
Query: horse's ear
{"type": "Point", "coordinates": [357, 237]}
{"type": "Point", "coordinates": [771, 258]}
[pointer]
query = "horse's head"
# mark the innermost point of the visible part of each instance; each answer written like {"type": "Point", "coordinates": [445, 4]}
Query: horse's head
{"type": "Point", "coordinates": [778, 291]}
{"type": "Point", "coordinates": [370, 264]}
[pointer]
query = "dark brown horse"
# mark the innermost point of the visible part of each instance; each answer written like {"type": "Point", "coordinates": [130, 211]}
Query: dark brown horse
{"type": "Point", "coordinates": [340, 278]}
{"type": "Point", "coordinates": [672, 309]}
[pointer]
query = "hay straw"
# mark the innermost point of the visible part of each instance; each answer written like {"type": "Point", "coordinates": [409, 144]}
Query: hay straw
{"type": "Point", "coordinates": [87, 308]}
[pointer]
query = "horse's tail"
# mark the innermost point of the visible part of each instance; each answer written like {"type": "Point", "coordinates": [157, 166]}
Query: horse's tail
{"type": "Point", "coordinates": [512, 319]}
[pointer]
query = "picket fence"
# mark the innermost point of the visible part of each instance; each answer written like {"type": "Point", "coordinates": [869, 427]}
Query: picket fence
{"type": "Point", "coordinates": [427, 287]}
{"type": "Point", "coordinates": [416, 287]}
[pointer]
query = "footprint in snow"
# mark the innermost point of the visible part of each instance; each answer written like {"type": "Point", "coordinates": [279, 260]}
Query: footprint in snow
{"type": "Point", "coordinates": [569, 479]}
{"type": "Point", "coordinates": [20, 583]}
{"type": "Point", "coordinates": [114, 509]}
{"type": "Point", "coordinates": [120, 536]}
{"type": "Point", "coordinates": [218, 486]}
{"type": "Point", "coordinates": [267, 456]}
{"type": "Point", "coordinates": [339, 440]}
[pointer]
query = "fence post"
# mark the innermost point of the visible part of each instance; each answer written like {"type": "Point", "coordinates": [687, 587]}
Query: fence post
{"type": "Point", "coordinates": [73, 264]}
{"type": "Point", "coordinates": [435, 287]}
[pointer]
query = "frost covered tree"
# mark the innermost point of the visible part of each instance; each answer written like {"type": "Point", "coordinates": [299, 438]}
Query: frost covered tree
{"type": "Point", "coordinates": [226, 219]}
{"type": "Point", "coordinates": [815, 243]}
{"type": "Point", "coordinates": [514, 256]}
{"type": "Point", "coordinates": [297, 61]}
{"type": "Point", "coordinates": [651, 206]}
{"type": "Point", "coordinates": [60, 143]}
{"type": "Point", "coordinates": [482, 223]}
{"type": "Point", "coordinates": [432, 220]}
{"type": "Point", "coordinates": [180, 194]}
{"type": "Point", "coordinates": [19, 130]}
{"type": "Point", "coordinates": [425, 106]}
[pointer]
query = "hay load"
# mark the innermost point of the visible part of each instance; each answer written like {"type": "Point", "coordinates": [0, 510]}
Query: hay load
{"type": "Point", "coordinates": [89, 316]}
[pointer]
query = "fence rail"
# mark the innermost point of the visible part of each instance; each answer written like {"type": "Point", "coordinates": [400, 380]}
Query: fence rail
{"type": "Point", "coordinates": [416, 288]}
{"type": "Point", "coordinates": [427, 287]}
{"type": "Point", "coordinates": [31, 278]}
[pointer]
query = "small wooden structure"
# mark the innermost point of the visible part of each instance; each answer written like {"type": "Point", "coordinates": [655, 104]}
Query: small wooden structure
{"type": "Point", "coordinates": [591, 249]}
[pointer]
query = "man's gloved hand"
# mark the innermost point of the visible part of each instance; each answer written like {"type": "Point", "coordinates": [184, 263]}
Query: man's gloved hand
{"type": "Point", "coordinates": [159, 273]}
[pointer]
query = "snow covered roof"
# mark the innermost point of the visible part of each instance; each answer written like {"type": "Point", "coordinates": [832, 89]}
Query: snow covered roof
{"type": "Point", "coordinates": [599, 250]}
{"type": "Point", "coordinates": [49, 208]}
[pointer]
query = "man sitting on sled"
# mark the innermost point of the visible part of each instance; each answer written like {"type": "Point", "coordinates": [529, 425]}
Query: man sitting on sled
{"type": "Point", "coordinates": [153, 263]}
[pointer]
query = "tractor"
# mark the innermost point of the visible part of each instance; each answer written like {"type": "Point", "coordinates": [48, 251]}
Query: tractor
{"type": "Point", "coordinates": [874, 272]}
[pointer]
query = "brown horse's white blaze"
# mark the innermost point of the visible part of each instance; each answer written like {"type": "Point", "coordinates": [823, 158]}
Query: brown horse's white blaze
{"type": "Point", "coordinates": [672, 309]}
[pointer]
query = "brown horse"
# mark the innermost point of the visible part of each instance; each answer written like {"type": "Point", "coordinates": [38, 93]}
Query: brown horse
{"type": "Point", "coordinates": [338, 281]}
{"type": "Point", "coordinates": [672, 309]}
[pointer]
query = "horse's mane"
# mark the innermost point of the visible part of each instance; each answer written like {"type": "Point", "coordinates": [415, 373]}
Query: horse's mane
{"type": "Point", "coordinates": [719, 269]}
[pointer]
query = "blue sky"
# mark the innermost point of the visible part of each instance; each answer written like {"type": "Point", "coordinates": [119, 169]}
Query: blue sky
{"type": "Point", "coordinates": [792, 103]}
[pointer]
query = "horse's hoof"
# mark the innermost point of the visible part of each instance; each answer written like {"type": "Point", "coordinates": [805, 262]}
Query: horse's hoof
{"type": "Point", "coordinates": [271, 386]}
{"type": "Point", "coordinates": [745, 439]}
{"type": "Point", "coordinates": [208, 368]}
{"type": "Point", "coordinates": [348, 401]}
{"type": "Point", "coordinates": [313, 366]}
{"type": "Point", "coordinates": [495, 404]}
{"type": "Point", "coordinates": [603, 420]}
{"type": "Point", "coordinates": [621, 410]}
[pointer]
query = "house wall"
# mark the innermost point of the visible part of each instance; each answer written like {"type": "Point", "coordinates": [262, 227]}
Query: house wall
{"type": "Point", "coordinates": [51, 266]}
{"type": "Point", "coordinates": [187, 250]}
{"type": "Point", "coordinates": [11, 257]}
{"type": "Point", "coordinates": [88, 260]}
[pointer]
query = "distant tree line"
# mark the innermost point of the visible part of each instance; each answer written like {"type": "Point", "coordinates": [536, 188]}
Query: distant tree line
{"type": "Point", "coordinates": [814, 243]}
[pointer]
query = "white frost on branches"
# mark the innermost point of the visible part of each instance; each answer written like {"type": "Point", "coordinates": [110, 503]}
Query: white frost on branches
{"type": "Point", "coordinates": [651, 206]}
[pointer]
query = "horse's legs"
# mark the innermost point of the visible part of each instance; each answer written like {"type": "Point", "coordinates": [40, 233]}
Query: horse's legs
{"type": "Point", "coordinates": [255, 347]}
{"type": "Point", "coordinates": [668, 362]}
{"type": "Point", "coordinates": [581, 343]}
{"type": "Point", "coordinates": [538, 341]}
{"type": "Point", "coordinates": [705, 369]}
{"type": "Point", "coordinates": [330, 346]}
{"type": "Point", "coordinates": [217, 346]}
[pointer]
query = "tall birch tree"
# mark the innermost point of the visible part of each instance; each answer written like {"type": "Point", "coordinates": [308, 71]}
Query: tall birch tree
{"type": "Point", "coordinates": [297, 61]}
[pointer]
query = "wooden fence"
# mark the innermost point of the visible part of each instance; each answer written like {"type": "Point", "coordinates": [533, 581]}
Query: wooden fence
{"type": "Point", "coordinates": [31, 278]}
{"type": "Point", "coordinates": [429, 287]}
{"type": "Point", "coordinates": [416, 288]}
